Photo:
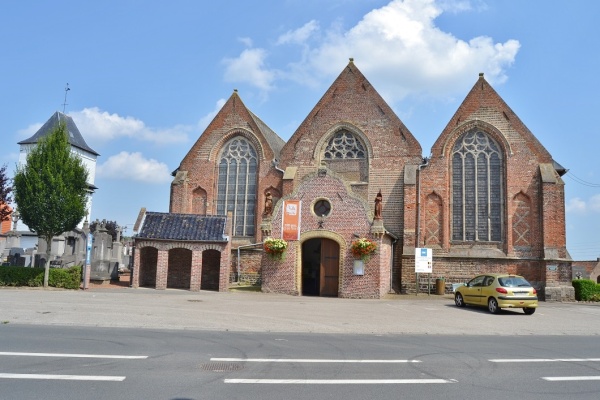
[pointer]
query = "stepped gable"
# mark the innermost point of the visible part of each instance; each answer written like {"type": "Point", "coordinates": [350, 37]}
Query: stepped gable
{"type": "Point", "coordinates": [353, 100]}
{"type": "Point", "coordinates": [484, 104]}
{"type": "Point", "coordinates": [75, 137]}
{"type": "Point", "coordinates": [192, 227]}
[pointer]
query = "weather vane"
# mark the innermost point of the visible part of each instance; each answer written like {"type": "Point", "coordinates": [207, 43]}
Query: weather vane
{"type": "Point", "coordinates": [65, 103]}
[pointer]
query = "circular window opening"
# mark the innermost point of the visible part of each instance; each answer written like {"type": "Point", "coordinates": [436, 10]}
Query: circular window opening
{"type": "Point", "coordinates": [322, 208]}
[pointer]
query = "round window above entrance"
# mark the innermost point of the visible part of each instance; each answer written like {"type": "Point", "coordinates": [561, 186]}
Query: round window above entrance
{"type": "Point", "coordinates": [322, 208]}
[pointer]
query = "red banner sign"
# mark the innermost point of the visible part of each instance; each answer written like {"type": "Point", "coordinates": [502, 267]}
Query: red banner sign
{"type": "Point", "coordinates": [291, 220]}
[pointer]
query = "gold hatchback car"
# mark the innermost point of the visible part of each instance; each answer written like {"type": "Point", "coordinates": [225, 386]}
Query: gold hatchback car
{"type": "Point", "coordinates": [497, 291]}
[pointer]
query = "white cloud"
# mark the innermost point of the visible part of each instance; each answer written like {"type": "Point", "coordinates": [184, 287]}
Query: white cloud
{"type": "Point", "coordinates": [133, 166]}
{"type": "Point", "coordinates": [456, 6]}
{"type": "Point", "coordinates": [402, 51]}
{"type": "Point", "coordinates": [29, 131]}
{"type": "Point", "coordinates": [250, 68]}
{"type": "Point", "coordinates": [204, 121]}
{"type": "Point", "coordinates": [594, 203]}
{"type": "Point", "coordinates": [102, 126]}
{"type": "Point", "coordinates": [578, 206]}
{"type": "Point", "coordinates": [575, 205]}
{"type": "Point", "coordinates": [300, 35]}
{"type": "Point", "coordinates": [246, 41]}
{"type": "Point", "coordinates": [397, 46]}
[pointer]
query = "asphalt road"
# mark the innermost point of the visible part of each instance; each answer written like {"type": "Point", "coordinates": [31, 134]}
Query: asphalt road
{"type": "Point", "coordinates": [68, 363]}
{"type": "Point", "coordinates": [148, 344]}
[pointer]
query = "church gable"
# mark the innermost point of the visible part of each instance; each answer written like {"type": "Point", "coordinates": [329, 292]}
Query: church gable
{"type": "Point", "coordinates": [351, 104]}
{"type": "Point", "coordinates": [484, 165]}
{"type": "Point", "coordinates": [231, 120]}
{"type": "Point", "coordinates": [483, 108]}
{"type": "Point", "coordinates": [225, 169]}
{"type": "Point", "coordinates": [354, 132]}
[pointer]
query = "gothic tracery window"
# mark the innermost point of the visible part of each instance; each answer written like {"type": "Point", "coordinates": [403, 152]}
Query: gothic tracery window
{"type": "Point", "coordinates": [346, 154]}
{"type": "Point", "coordinates": [236, 190]}
{"type": "Point", "coordinates": [344, 145]}
{"type": "Point", "coordinates": [477, 188]}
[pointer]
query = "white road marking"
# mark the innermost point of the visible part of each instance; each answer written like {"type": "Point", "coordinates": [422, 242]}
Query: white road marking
{"type": "Point", "coordinates": [64, 377]}
{"type": "Point", "coordinates": [571, 378]}
{"type": "Point", "coordinates": [304, 360]}
{"type": "Point", "coordinates": [523, 360]}
{"type": "Point", "coordinates": [338, 381]}
{"type": "Point", "coordinates": [10, 353]}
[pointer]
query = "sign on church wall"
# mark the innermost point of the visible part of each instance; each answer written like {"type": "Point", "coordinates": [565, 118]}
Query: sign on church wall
{"type": "Point", "coordinates": [291, 220]}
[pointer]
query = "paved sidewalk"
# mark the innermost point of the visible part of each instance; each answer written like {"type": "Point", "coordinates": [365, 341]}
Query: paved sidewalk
{"type": "Point", "coordinates": [266, 312]}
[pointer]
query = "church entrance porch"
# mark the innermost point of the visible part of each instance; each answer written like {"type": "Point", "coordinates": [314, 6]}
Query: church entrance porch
{"type": "Point", "coordinates": [320, 267]}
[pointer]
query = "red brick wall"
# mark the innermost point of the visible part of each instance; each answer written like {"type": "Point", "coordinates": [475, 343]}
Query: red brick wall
{"type": "Point", "coordinates": [165, 264]}
{"type": "Point", "coordinates": [348, 219]}
{"type": "Point", "coordinates": [461, 270]}
{"type": "Point", "coordinates": [180, 269]}
{"type": "Point", "coordinates": [533, 216]}
{"type": "Point", "coordinates": [533, 231]}
{"type": "Point", "coordinates": [352, 103]}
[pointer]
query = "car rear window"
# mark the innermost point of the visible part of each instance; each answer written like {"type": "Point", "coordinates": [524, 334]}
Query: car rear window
{"type": "Point", "coordinates": [513, 281]}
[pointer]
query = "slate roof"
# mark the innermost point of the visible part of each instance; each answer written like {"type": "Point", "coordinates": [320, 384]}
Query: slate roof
{"type": "Point", "coordinates": [272, 138]}
{"type": "Point", "coordinates": [192, 227]}
{"type": "Point", "coordinates": [75, 138]}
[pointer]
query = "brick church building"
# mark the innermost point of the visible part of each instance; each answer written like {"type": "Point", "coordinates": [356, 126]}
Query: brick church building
{"type": "Point", "coordinates": [490, 198]}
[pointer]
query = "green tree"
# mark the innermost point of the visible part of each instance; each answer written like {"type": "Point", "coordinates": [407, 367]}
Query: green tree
{"type": "Point", "coordinates": [5, 197]}
{"type": "Point", "coordinates": [51, 189]}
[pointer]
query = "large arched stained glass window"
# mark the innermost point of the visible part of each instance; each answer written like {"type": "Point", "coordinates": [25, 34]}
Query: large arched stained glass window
{"type": "Point", "coordinates": [477, 182]}
{"type": "Point", "coordinates": [236, 191]}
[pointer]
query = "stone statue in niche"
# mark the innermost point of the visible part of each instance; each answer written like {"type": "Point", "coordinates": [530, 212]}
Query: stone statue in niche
{"type": "Point", "coordinates": [268, 205]}
{"type": "Point", "coordinates": [378, 205]}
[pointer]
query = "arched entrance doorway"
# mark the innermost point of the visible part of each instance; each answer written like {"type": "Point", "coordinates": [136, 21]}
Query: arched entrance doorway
{"type": "Point", "coordinates": [320, 267]}
{"type": "Point", "coordinates": [211, 270]}
{"type": "Point", "coordinates": [148, 262]}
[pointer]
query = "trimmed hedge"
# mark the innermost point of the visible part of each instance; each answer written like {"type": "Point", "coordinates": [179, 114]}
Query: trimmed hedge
{"type": "Point", "coordinates": [586, 290]}
{"type": "Point", "coordinates": [67, 278]}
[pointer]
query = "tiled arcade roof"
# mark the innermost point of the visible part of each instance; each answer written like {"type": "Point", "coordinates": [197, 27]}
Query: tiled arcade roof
{"type": "Point", "coordinates": [192, 227]}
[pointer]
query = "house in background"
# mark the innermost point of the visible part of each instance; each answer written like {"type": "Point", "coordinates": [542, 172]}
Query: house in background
{"type": "Point", "coordinates": [489, 199]}
{"type": "Point", "coordinates": [14, 242]}
{"type": "Point", "coordinates": [6, 225]}
{"type": "Point", "coordinates": [587, 270]}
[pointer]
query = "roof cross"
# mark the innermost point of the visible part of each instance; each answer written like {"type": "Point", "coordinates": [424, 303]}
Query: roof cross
{"type": "Point", "coordinates": [67, 88]}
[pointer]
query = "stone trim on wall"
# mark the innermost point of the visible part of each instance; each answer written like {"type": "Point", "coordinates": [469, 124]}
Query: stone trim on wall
{"type": "Point", "coordinates": [232, 133]}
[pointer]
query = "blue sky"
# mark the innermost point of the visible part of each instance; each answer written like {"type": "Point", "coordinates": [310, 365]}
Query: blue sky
{"type": "Point", "coordinates": [146, 77]}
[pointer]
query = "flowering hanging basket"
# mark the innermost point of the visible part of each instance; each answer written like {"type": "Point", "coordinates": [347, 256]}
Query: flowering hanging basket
{"type": "Point", "coordinates": [363, 248]}
{"type": "Point", "coordinates": [275, 248]}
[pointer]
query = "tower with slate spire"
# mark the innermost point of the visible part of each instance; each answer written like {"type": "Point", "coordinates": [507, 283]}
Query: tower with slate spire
{"type": "Point", "coordinates": [78, 147]}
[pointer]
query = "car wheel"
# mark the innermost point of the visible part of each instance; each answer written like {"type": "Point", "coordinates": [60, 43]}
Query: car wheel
{"type": "Point", "coordinates": [493, 305]}
{"type": "Point", "coordinates": [458, 300]}
{"type": "Point", "coordinates": [529, 311]}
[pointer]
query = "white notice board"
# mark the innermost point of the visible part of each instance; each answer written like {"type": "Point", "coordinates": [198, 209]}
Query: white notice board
{"type": "Point", "coordinates": [423, 260]}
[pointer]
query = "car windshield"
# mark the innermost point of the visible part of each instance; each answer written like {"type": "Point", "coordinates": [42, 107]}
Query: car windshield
{"type": "Point", "coordinates": [513, 281]}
